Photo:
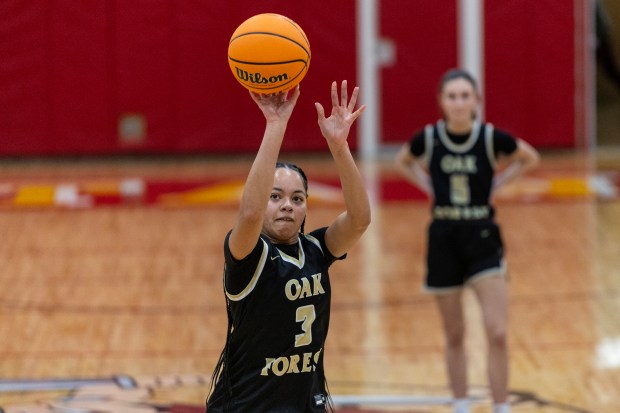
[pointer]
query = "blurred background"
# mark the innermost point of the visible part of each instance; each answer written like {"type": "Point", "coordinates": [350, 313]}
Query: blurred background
{"type": "Point", "coordinates": [607, 23]}
{"type": "Point", "coordinates": [125, 141]}
{"type": "Point", "coordinates": [151, 77]}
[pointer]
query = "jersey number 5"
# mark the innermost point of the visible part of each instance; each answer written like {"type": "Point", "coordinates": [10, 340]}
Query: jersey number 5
{"type": "Point", "coordinates": [459, 189]}
{"type": "Point", "coordinates": [306, 316]}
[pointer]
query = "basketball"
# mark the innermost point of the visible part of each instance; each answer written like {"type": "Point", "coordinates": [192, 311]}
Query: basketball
{"type": "Point", "coordinates": [269, 53]}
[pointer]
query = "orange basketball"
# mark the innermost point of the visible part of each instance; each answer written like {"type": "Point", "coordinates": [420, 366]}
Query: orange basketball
{"type": "Point", "coordinates": [269, 53]}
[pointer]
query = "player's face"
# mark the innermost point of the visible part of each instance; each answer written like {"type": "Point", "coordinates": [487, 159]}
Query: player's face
{"type": "Point", "coordinates": [458, 101]}
{"type": "Point", "coordinates": [287, 207]}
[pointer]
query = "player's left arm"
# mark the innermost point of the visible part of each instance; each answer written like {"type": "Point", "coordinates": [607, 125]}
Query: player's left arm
{"type": "Point", "coordinates": [349, 226]}
{"type": "Point", "coordinates": [524, 158]}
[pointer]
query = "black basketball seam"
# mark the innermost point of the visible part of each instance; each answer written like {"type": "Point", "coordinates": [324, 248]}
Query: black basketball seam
{"type": "Point", "coordinates": [296, 27]}
{"type": "Point", "coordinates": [273, 34]}
{"type": "Point", "coordinates": [267, 63]}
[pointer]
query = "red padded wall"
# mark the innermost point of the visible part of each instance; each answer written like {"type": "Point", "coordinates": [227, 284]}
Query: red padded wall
{"type": "Point", "coordinates": [530, 69]}
{"type": "Point", "coordinates": [25, 102]}
{"type": "Point", "coordinates": [78, 65]}
{"type": "Point", "coordinates": [425, 39]}
{"type": "Point", "coordinates": [69, 70]}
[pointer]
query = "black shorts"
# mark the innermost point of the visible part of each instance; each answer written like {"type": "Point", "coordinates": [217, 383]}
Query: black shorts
{"type": "Point", "coordinates": [459, 252]}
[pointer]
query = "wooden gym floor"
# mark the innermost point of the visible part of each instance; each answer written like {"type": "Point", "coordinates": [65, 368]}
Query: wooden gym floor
{"type": "Point", "coordinates": [111, 297]}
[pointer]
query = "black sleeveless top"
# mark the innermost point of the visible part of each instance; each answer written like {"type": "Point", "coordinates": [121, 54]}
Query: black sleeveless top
{"type": "Point", "coordinates": [278, 302]}
{"type": "Point", "coordinates": [462, 169]}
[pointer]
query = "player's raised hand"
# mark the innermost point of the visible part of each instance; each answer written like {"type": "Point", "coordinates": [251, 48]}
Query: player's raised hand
{"type": "Point", "coordinates": [336, 127]}
{"type": "Point", "coordinates": [277, 107]}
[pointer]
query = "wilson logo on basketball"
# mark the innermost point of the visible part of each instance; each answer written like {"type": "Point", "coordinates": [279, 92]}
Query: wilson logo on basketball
{"type": "Point", "coordinates": [269, 53]}
{"type": "Point", "coordinates": [259, 79]}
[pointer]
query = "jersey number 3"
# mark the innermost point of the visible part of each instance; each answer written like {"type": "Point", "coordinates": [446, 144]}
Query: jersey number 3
{"type": "Point", "coordinates": [306, 316]}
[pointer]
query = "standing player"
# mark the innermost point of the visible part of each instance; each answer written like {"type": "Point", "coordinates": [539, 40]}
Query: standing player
{"type": "Point", "coordinates": [276, 277]}
{"type": "Point", "coordinates": [454, 162]}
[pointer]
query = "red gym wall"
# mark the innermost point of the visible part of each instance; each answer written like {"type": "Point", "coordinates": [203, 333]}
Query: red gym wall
{"type": "Point", "coordinates": [71, 71]}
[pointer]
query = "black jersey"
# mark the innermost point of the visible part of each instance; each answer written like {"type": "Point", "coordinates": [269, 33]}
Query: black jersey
{"type": "Point", "coordinates": [462, 171]}
{"type": "Point", "coordinates": [279, 318]}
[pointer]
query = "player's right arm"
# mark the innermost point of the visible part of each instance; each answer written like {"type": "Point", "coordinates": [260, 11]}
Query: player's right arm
{"type": "Point", "coordinates": [349, 226]}
{"type": "Point", "coordinates": [277, 110]}
{"type": "Point", "coordinates": [411, 167]}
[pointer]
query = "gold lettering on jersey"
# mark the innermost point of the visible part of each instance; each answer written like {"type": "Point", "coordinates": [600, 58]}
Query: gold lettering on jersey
{"type": "Point", "coordinates": [306, 367]}
{"type": "Point", "coordinates": [295, 290]}
{"type": "Point", "coordinates": [318, 288]}
{"type": "Point", "coordinates": [461, 213]}
{"type": "Point", "coordinates": [293, 364]}
{"type": "Point", "coordinates": [457, 163]}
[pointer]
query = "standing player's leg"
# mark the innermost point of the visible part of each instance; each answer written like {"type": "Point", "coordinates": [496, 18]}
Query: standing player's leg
{"type": "Point", "coordinates": [493, 297]}
{"type": "Point", "coordinates": [451, 310]}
